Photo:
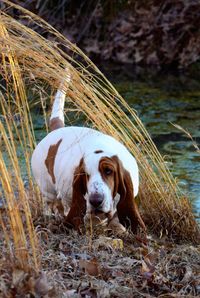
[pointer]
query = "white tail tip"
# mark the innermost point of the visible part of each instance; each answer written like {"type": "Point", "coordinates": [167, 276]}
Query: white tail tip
{"type": "Point", "coordinates": [57, 114]}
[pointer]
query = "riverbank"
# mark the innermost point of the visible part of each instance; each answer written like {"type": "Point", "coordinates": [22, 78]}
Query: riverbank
{"type": "Point", "coordinates": [102, 266]}
{"type": "Point", "coordinates": [160, 34]}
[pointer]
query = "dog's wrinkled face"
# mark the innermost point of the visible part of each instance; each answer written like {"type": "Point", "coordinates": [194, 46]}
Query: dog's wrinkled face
{"type": "Point", "coordinates": [103, 186]}
{"type": "Point", "coordinates": [101, 181]}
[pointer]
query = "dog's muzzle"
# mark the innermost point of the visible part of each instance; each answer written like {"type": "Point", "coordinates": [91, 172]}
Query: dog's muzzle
{"type": "Point", "coordinates": [96, 200]}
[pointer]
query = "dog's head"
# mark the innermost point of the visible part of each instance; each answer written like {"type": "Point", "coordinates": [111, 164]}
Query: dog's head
{"type": "Point", "coordinates": [104, 176]}
{"type": "Point", "coordinates": [97, 181]}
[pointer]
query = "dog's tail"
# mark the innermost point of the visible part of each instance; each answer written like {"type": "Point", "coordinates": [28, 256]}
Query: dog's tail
{"type": "Point", "coordinates": [57, 114]}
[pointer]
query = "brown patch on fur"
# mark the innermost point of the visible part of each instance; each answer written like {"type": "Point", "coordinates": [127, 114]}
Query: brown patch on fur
{"type": "Point", "coordinates": [119, 181]}
{"type": "Point", "coordinates": [127, 209]}
{"type": "Point", "coordinates": [98, 151]}
{"type": "Point", "coordinates": [55, 123]}
{"type": "Point", "coordinates": [50, 159]}
{"type": "Point", "coordinates": [78, 204]}
{"type": "Point", "coordinates": [106, 164]}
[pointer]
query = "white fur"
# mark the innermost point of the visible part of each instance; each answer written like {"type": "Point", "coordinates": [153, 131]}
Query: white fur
{"type": "Point", "coordinates": [78, 142]}
{"type": "Point", "coordinates": [58, 106]}
{"type": "Point", "coordinates": [96, 183]}
{"type": "Point", "coordinates": [59, 101]}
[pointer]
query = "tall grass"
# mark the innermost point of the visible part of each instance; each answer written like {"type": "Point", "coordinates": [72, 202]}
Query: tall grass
{"type": "Point", "coordinates": [29, 60]}
{"type": "Point", "coordinates": [11, 181]}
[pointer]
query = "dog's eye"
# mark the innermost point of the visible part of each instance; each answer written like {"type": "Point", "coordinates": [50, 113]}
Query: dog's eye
{"type": "Point", "coordinates": [108, 171]}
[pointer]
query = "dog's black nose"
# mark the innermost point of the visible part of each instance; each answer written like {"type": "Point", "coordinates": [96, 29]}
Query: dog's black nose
{"type": "Point", "coordinates": [96, 199]}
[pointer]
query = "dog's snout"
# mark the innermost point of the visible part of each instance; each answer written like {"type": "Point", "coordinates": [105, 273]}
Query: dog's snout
{"type": "Point", "coordinates": [96, 199]}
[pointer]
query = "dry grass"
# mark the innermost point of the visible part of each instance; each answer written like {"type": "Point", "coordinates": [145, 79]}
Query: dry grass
{"type": "Point", "coordinates": [188, 135]}
{"type": "Point", "coordinates": [28, 61]}
{"type": "Point", "coordinates": [72, 268]}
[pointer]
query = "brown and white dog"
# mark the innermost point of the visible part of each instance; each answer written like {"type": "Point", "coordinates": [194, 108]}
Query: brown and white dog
{"type": "Point", "coordinates": [90, 172]}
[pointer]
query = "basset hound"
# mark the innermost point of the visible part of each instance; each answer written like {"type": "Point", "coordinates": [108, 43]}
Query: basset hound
{"type": "Point", "coordinates": [88, 171]}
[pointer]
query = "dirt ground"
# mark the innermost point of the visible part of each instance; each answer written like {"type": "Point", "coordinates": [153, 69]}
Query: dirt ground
{"type": "Point", "coordinates": [97, 264]}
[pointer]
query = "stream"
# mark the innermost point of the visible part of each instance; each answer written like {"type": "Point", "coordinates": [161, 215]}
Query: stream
{"type": "Point", "coordinates": [160, 102]}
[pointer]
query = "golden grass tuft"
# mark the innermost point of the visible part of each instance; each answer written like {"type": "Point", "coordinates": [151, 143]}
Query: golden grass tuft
{"type": "Point", "coordinates": [30, 61]}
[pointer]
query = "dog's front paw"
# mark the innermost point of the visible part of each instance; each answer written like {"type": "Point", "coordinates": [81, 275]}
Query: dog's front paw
{"type": "Point", "coordinates": [117, 228]}
{"type": "Point", "coordinates": [74, 223]}
{"type": "Point", "coordinates": [96, 222]}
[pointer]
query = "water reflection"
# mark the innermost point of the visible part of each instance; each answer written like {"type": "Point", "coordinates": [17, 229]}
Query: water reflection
{"type": "Point", "coordinates": [160, 103]}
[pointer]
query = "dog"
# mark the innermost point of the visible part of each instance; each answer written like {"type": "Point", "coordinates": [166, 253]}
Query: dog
{"type": "Point", "coordinates": [89, 172]}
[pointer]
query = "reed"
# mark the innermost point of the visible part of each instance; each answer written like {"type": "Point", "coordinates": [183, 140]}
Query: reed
{"type": "Point", "coordinates": [28, 61]}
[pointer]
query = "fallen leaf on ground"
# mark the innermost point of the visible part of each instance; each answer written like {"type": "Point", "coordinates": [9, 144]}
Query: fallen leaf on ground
{"type": "Point", "coordinates": [90, 267]}
{"type": "Point", "coordinates": [147, 270]}
{"type": "Point", "coordinates": [17, 276]}
{"type": "Point", "coordinates": [71, 294]}
{"type": "Point", "coordinates": [88, 292]}
{"type": "Point", "coordinates": [110, 243]}
{"type": "Point", "coordinates": [42, 286]}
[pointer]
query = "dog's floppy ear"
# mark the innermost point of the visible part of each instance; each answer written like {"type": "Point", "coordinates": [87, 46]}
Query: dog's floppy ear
{"type": "Point", "coordinates": [78, 204]}
{"type": "Point", "coordinates": [127, 209]}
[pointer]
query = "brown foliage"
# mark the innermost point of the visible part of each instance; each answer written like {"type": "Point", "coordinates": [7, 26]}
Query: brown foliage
{"type": "Point", "coordinates": [73, 268]}
{"type": "Point", "coordinates": [154, 33]}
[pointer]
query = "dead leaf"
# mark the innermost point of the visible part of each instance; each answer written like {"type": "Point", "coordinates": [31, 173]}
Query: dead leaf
{"type": "Point", "coordinates": [109, 243]}
{"type": "Point", "coordinates": [42, 286]}
{"type": "Point", "coordinates": [95, 223]}
{"type": "Point", "coordinates": [118, 273]}
{"type": "Point", "coordinates": [88, 292]}
{"type": "Point", "coordinates": [92, 46]}
{"type": "Point", "coordinates": [90, 267]}
{"type": "Point", "coordinates": [147, 270]}
{"type": "Point", "coordinates": [137, 56]}
{"type": "Point", "coordinates": [188, 275]}
{"type": "Point", "coordinates": [18, 276]}
{"type": "Point", "coordinates": [109, 273]}
{"type": "Point", "coordinates": [125, 27]}
{"type": "Point", "coordinates": [71, 294]}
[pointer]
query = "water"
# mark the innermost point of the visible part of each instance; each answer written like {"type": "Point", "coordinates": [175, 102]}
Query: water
{"type": "Point", "coordinates": [161, 101]}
